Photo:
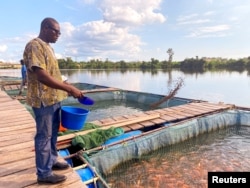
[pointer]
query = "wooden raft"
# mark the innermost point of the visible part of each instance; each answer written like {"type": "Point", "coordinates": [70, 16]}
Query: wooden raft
{"type": "Point", "coordinates": [151, 118]}
{"type": "Point", "coordinates": [17, 130]}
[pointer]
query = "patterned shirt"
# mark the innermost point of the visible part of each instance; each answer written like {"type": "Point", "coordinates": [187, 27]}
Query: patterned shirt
{"type": "Point", "coordinates": [38, 53]}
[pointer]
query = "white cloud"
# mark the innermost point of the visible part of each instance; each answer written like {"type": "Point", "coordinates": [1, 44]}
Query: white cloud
{"type": "Point", "coordinates": [194, 18]}
{"type": "Point", "coordinates": [198, 21]}
{"type": "Point", "coordinates": [213, 31]}
{"type": "Point", "coordinates": [100, 39]}
{"type": "Point", "coordinates": [112, 36]}
{"type": "Point", "coordinates": [216, 28]}
{"type": "Point", "coordinates": [3, 48]}
{"type": "Point", "coordinates": [184, 18]}
{"type": "Point", "coordinates": [132, 12]}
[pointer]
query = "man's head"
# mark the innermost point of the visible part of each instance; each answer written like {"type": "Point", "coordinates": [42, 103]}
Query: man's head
{"type": "Point", "coordinates": [22, 62]}
{"type": "Point", "coordinates": [50, 30]}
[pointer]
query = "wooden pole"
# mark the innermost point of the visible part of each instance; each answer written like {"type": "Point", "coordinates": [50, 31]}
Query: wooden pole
{"type": "Point", "coordinates": [100, 90]}
{"type": "Point", "coordinates": [93, 170]}
{"type": "Point", "coordinates": [114, 124]}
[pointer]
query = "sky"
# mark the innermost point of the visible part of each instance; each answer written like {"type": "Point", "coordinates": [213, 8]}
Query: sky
{"type": "Point", "coordinates": [130, 30]}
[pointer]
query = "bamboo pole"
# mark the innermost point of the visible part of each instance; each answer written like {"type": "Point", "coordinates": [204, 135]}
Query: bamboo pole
{"type": "Point", "coordinates": [101, 90]}
{"type": "Point", "coordinates": [91, 180]}
{"type": "Point", "coordinates": [93, 170]}
{"type": "Point", "coordinates": [80, 167]}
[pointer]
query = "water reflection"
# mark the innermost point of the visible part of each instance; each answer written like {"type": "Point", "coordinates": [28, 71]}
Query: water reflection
{"type": "Point", "coordinates": [215, 86]}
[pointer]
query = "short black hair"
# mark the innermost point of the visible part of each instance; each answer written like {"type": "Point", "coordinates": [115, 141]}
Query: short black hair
{"type": "Point", "coordinates": [47, 22]}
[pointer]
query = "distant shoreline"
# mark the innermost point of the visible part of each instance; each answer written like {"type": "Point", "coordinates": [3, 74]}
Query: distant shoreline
{"type": "Point", "coordinates": [10, 66]}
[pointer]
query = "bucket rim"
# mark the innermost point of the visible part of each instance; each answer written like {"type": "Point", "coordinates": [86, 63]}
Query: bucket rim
{"type": "Point", "coordinates": [64, 108]}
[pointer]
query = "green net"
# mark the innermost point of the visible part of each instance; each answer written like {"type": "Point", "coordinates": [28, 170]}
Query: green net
{"type": "Point", "coordinates": [178, 154]}
{"type": "Point", "coordinates": [93, 139]}
{"type": "Point", "coordinates": [96, 138]}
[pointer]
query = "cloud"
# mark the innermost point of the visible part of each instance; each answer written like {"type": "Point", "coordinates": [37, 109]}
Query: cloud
{"type": "Point", "coordinates": [3, 48]}
{"type": "Point", "coordinates": [100, 39]}
{"type": "Point", "coordinates": [212, 31]}
{"type": "Point", "coordinates": [131, 12]}
{"type": "Point", "coordinates": [112, 36]}
{"type": "Point", "coordinates": [216, 28]}
{"type": "Point", "coordinates": [194, 18]}
{"type": "Point", "coordinates": [198, 21]}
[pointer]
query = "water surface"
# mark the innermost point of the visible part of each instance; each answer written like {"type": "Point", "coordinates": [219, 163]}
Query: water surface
{"type": "Point", "coordinates": [187, 164]}
{"type": "Point", "coordinates": [222, 86]}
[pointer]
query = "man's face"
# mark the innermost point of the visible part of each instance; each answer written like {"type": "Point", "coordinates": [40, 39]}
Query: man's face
{"type": "Point", "coordinates": [52, 32]}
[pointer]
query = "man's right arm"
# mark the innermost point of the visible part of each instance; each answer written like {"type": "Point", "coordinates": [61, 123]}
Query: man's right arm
{"type": "Point", "coordinates": [46, 79]}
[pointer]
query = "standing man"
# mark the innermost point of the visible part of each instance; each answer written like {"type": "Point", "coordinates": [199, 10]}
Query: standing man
{"type": "Point", "coordinates": [23, 73]}
{"type": "Point", "coordinates": [45, 92]}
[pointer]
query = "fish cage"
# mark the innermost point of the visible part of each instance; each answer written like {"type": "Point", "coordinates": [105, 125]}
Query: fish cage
{"type": "Point", "coordinates": [136, 145]}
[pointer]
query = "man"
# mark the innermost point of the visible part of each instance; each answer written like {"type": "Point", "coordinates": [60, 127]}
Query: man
{"type": "Point", "coordinates": [44, 93]}
{"type": "Point", "coordinates": [23, 73]}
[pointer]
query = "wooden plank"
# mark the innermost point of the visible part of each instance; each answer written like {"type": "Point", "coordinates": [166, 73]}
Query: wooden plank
{"type": "Point", "coordinates": [72, 178]}
{"type": "Point", "coordinates": [135, 126]}
{"type": "Point", "coordinates": [17, 132]}
{"type": "Point", "coordinates": [19, 179]}
{"type": "Point", "coordinates": [168, 118]}
{"type": "Point", "coordinates": [12, 156]}
{"type": "Point", "coordinates": [119, 118]}
{"type": "Point", "coordinates": [204, 107]}
{"type": "Point", "coordinates": [193, 110]}
{"type": "Point", "coordinates": [16, 166]}
{"type": "Point", "coordinates": [147, 123]}
{"type": "Point", "coordinates": [121, 124]}
{"type": "Point", "coordinates": [177, 116]}
{"type": "Point", "coordinates": [18, 146]}
{"type": "Point", "coordinates": [28, 178]}
{"type": "Point", "coordinates": [158, 121]}
{"type": "Point", "coordinates": [19, 119]}
{"type": "Point", "coordinates": [78, 184]}
{"type": "Point", "coordinates": [107, 120]}
{"type": "Point", "coordinates": [96, 122]}
{"type": "Point", "coordinates": [16, 140]}
{"type": "Point", "coordinates": [16, 136]}
{"type": "Point", "coordinates": [184, 114]}
{"type": "Point", "coordinates": [11, 108]}
{"type": "Point", "coordinates": [220, 105]}
{"type": "Point", "coordinates": [126, 129]}
{"type": "Point", "coordinates": [16, 127]}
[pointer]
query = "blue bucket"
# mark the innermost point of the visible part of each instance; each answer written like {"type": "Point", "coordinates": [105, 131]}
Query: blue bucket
{"type": "Point", "coordinates": [86, 174]}
{"type": "Point", "coordinates": [73, 118]}
{"type": "Point", "coordinates": [64, 153]}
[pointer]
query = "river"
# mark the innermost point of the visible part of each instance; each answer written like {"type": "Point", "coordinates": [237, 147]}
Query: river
{"type": "Point", "coordinates": [221, 86]}
{"type": "Point", "coordinates": [185, 164]}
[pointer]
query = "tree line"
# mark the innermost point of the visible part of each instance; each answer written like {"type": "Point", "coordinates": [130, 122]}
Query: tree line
{"type": "Point", "coordinates": [189, 64]}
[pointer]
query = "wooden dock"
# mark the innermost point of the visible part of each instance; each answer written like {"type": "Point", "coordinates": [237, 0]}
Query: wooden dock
{"type": "Point", "coordinates": [17, 156]}
{"type": "Point", "coordinates": [17, 130]}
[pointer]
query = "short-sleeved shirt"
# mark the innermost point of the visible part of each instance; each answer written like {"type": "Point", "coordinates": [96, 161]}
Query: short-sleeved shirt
{"type": "Point", "coordinates": [38, 53]}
